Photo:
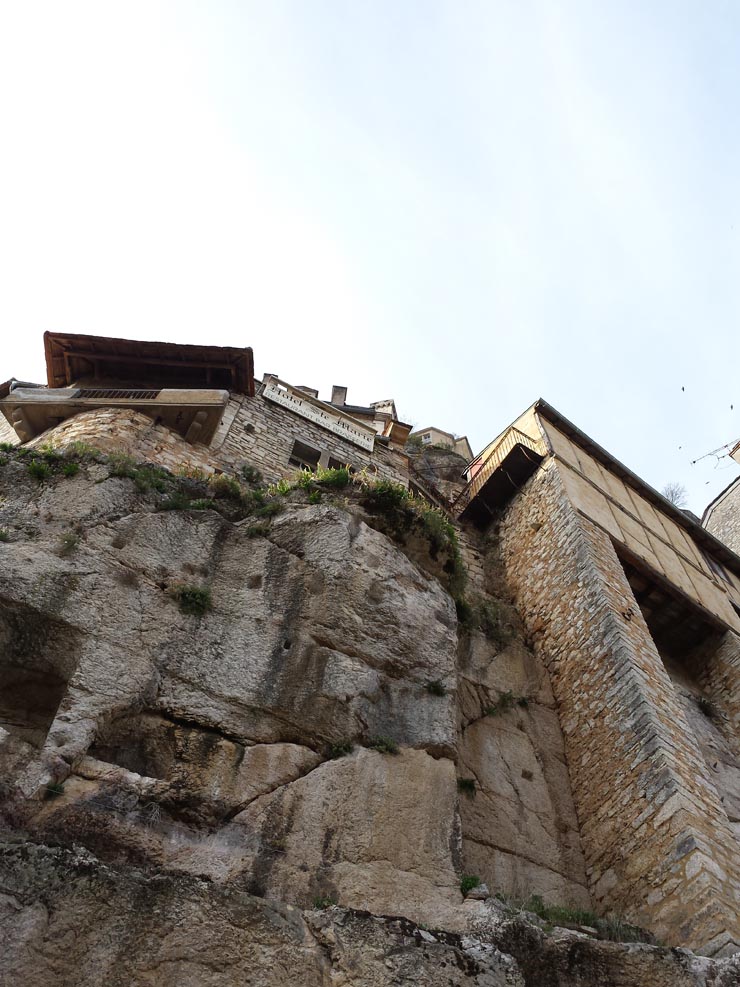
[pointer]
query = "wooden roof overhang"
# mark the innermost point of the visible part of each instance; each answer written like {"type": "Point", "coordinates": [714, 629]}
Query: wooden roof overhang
{"type": "Point", "coordinates": [73, 358]}
{"type": "Point", "coordinates": [700, 535]}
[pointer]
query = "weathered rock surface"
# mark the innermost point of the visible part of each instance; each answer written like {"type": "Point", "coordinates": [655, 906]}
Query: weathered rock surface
{"type": "Point", "coordinates": [300, 742]}
{"type": "Point", "coordinates": [520, 831]}
{"type": "Point", "coordinates": [68, 920]}
{"type": "Point", "coordinates": [205, 744]}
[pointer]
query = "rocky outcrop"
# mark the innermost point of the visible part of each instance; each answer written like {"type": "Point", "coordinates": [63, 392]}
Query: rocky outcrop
{"type": "Point", "coordinates": [68, 920]}
{"type": "Point", "coordinates": [228, 723]}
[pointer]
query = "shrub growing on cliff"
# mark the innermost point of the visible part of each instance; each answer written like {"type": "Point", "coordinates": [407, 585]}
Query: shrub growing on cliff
{"type": "Point", "coordinates": [386, 497]}
{"type": "Point", "coordinates": [68, 543]}
{"type": "Point", "coordinates": [468, 882]}
{"type": "Point", "coordinates": [326, 902]}
{"type": "Point", "coordinates": [251, 475]}
{"type": "Point", "coordinates": [81, 450]}
{"type": "Point", "coordinates": [225, 486]}
{"type": "Point", "coordinates": [383, 745]}
{"type": "Point", "coordinates": [332, 477]}
{"type": "Point", "coordinates": [193, 600]}
{"type": "Point", "coordinates": [467, 785]}
{"type": "Point", "coordinates": [341, 749]}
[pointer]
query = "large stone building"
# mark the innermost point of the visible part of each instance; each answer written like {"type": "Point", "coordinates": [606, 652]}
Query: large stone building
{"type": "Point", "coordinates": [599, 738]}
{"type": "Point", "coordinates": [198, 405]}
{"type": "Point", "coordinates": [635, 610]}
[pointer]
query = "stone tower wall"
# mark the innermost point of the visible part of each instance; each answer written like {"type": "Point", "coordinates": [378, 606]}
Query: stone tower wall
{"type": "Point", "coordinates": [658, 843]}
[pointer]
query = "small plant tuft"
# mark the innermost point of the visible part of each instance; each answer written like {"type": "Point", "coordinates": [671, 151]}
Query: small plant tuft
{"type": "Point", "coordinates": [81, 450]}
{"type": "Point", "coordinates": [257, 530]}
{"type": "Point", "coordinates": [314, 497]}
{"type": "Point", "coordinates": [177, 501]}
{"type": "Point", "coordinates": [341, 749]}
{"type": "Point", "coordinates": [4, 534]}
{"type": "Point", "coordinates": [225, 486]}
{"type": "Point", "coordinates": [55, 789]}
{"type": "Point", "coordinates": [70, 469]}
{"type": "Point", "coordinates": [332, 477]}
{"type": "Point", "coordinates": [505, 701]}
{"type": "Point", "coordinates": [384, 745]}
{"type": "Point", "coordinates": [468, 882]}
{"type": "Point", "coordinates": [6, 447]}
{"type": "Point", "coordinates": [39, 469]}
{"type": "Point", "coordinates": [436, 688]}
{"type": "Point", "coordinates": [251, 475]}
{"type": "Point", "coordinates": [68, 543]}
{"type": "Point", "coordinates": [468, 786]}
{"type": "Point", "coordinates": [194, 600]}
{"type": "Point", "coordinates": [270, 509]}
{"type": "Point", "coordinates": [327, 902]}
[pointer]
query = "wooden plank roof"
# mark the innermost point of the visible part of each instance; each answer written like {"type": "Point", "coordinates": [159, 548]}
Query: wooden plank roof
{"type": "Point", "coordinates": [70, 356]}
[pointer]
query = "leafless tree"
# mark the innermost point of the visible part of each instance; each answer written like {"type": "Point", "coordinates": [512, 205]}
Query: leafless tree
{"type": "Point", "coordinates": [676, 493]}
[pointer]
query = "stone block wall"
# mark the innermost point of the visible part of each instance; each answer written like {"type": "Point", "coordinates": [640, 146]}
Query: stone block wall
{"type": "Point", "coordinates": [657, 841]}
{"type": "Point", "coordinates": [724, 519]}
{"type": "Point", "coordinates": [129, 432]}
{"type": "Point", "coordinates": [262, 433]}
{"type": "Point", "coordinates": [252, 431]}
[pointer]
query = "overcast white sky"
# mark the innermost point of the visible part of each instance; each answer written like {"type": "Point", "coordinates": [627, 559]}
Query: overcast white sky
{"type": "Point", "coordinates": [463, 205]}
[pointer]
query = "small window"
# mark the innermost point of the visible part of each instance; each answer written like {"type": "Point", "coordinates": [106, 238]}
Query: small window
{"type": "Point", "coordinates": [336, 464]}
{"type": "Point", "coordinates": [304, 457]}
{"type": "Point", "coordinates": [426, 439]}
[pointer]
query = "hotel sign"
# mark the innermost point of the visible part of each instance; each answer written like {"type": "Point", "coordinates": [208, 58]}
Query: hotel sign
{"type": "Point", "coordinates": [320, 414]}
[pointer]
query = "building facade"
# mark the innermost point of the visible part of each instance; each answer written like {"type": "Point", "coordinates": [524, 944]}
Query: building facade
{"type": "Point", "coordinates": [635, 610]}
{"type": "Point", "coordinates": [197, 406]}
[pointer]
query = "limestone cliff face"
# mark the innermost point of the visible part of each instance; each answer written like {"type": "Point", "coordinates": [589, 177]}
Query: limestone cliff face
{"type": "Point", "coordinates": [181, 789]}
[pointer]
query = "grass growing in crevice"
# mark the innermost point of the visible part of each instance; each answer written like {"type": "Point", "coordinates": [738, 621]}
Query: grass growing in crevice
{"type": "Point", "coordinates": [383, 745]}
{"type": "Point", "coordinates": [39, 469]}
{"type": "Point", "coordinates": [193, 600]}
{"type": "Point", "coordinates": [68, 543]}
{"type": "Point", "coordinates": [468, 882]}
{"type": "Point", "coordinates": [467, 786]}
{"type": "Point", "coordinates": [4, 534]}
{"type": "Point", "coordinates": [404, 515]}
{"type": "Point", "coordinates": [340, 749]}
{"type": "Point", "coordinates": [327, 902]}
{"type": "Point", "coordinates": [614, 929]}
{"type": "Point", "coordinates": [436, 688]}
{"type": "Point", "coordinates": [506, 701]}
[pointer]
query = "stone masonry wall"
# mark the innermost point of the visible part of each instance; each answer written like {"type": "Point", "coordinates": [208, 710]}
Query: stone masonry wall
{"type": "Point", "coordinates": [657, 841]}
{"type": "Point", "coordinates": [262, 433]}
{"type": "Point", "coordinates": [130, 432]}
{"type": "Point", "coordinates": [724, 521]}
{"type": "Point", "coordinates": [252, 431]}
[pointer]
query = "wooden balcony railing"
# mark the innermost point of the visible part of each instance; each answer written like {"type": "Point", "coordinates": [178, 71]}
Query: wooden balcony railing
{"type": "Point", "coordinates": [506, 444]}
